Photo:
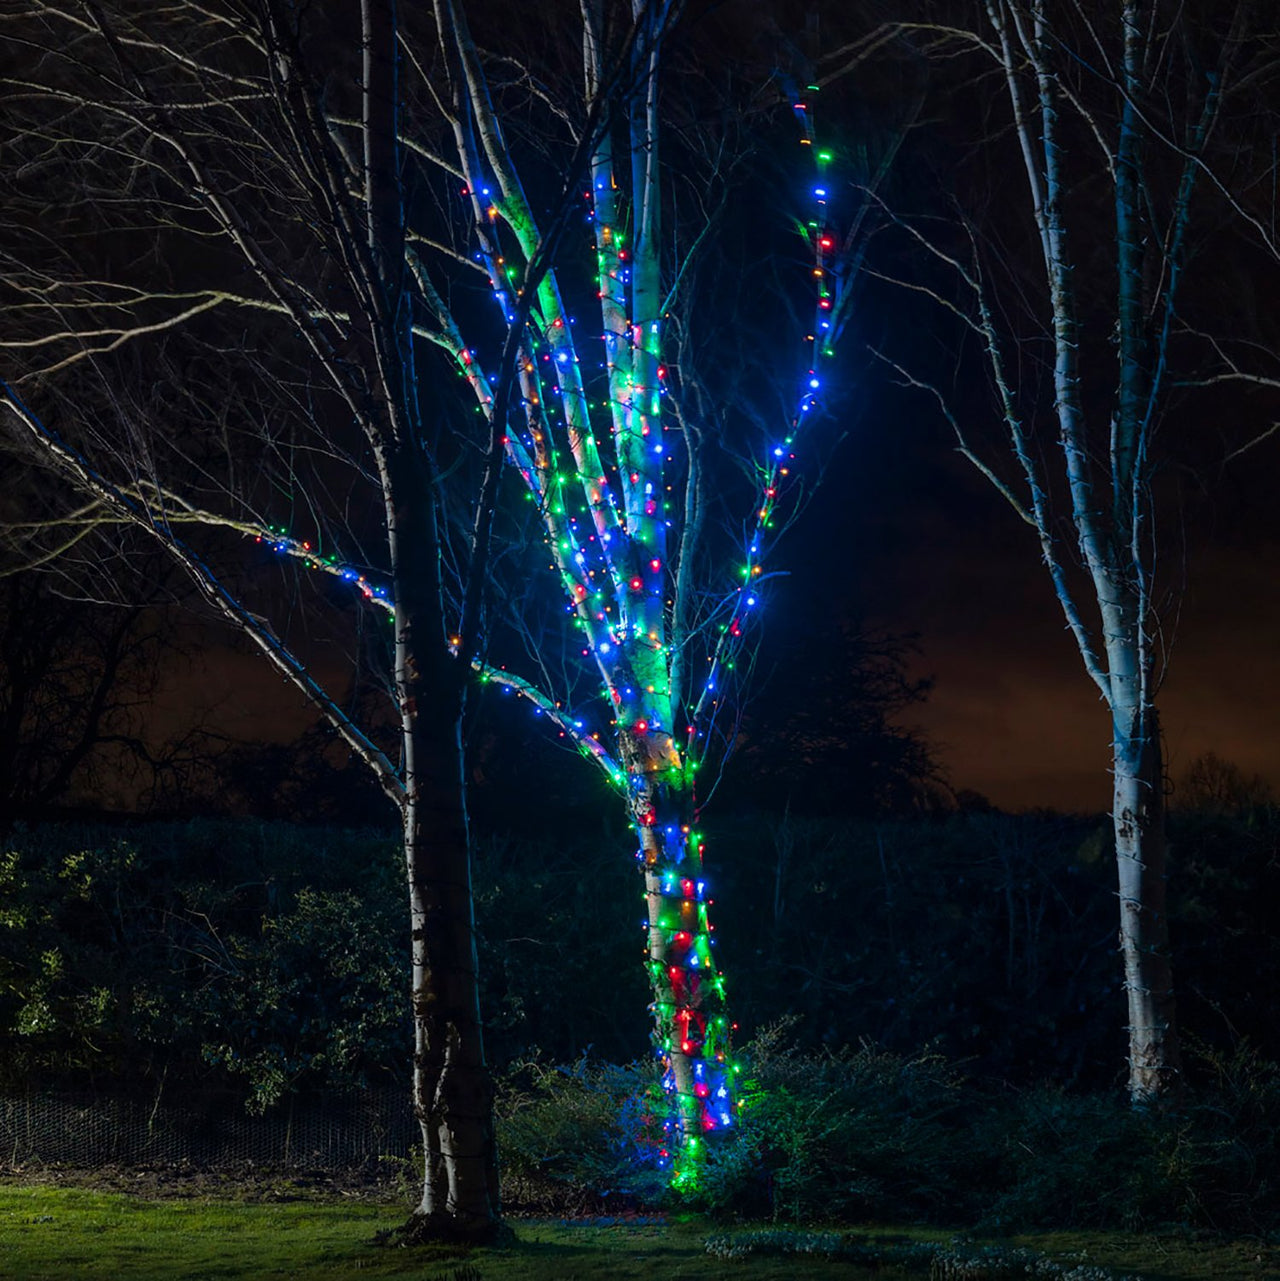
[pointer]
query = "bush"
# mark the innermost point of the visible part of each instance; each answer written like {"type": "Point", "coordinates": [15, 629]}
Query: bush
{"type": "Point", "coordinates": [849, 1135]}
{"type": "Point", "coordinates": [574, 1139]}
{"type": "Point", "coordinates": [865, 1135]}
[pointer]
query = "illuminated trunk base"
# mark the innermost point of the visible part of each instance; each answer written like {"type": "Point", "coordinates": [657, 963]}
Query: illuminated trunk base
{"type": "Point", "coordinates": [692, 1033]}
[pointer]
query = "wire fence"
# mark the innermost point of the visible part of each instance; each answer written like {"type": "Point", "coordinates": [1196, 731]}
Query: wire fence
{"type": "Point", "coordinates": [369, 1131]}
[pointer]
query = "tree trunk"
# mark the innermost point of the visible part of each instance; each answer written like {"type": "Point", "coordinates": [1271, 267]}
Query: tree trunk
{"type": "Point", "coordinates": [452, 1086]}
{"type": "Point", "coordinates": [691, 1027]}
{"type": "Point", "coordinates": [1155, 1070]}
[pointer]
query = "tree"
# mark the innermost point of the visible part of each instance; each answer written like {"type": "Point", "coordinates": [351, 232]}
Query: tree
{"type": "Point", "coordinates": [202, 125]}
{"type": "Point", "coordinates": [629, 477]}
{"type": "Point", "coordinates": [1213, 785]}
{"type": "Point", "coordinates": [1075, 295]}
{"type": "Point", "coordinates": [343, 237]}
{"type": "Point", "coordinates": [830, 732]}
{"type": "Point", "coordinates": [671, 462]}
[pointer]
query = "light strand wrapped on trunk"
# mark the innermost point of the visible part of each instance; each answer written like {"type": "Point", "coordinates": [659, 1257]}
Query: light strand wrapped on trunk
{"type": "Point", "coordinates": [606, 518]}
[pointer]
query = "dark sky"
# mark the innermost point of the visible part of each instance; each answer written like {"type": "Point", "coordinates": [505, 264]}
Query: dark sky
{"type": "Point", "coordinates": [904, 536]}
{"type": "Point", "coordinates": [1013, 715]}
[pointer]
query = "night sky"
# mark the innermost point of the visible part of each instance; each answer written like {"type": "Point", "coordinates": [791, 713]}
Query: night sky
{"type": "Point", "coordinates": [905, 538]}
{"type": "Point", "coordinates": [934, 551]}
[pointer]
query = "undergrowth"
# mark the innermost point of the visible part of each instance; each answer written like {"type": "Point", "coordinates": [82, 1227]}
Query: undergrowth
{"type": "Point", "coordinates": [866, 1135]}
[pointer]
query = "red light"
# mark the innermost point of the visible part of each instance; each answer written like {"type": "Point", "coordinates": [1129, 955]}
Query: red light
{"type": "Point", "coordinates": [637, 583]}
{"type": "Point", "coordinates": [642, 727]}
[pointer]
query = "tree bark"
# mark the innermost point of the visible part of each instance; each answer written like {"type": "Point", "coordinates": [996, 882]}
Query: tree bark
{"type": "Point", "coordinates": [691, 1027]}
{"type": "Point", "coordinates": [452, 1086]}
{"type": "Point", "coordinates": [1155, 1070]}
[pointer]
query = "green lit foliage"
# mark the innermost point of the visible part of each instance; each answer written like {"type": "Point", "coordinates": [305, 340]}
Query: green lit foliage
{"type": "Point", "coordinates": [850, 1135]}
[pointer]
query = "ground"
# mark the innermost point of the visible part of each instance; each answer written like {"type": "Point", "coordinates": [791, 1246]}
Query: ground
{"type": "Point", "coordinates": [70, 1233]}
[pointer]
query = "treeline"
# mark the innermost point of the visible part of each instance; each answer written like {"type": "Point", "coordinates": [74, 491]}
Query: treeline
{"type": "Point", "coordinates": [269, 958]}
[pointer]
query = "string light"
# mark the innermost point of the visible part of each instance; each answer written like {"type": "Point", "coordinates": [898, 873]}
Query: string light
{"type": "Point", "coordinates": [606, 541]}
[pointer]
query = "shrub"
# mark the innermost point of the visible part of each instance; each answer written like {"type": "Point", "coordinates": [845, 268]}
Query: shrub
{"type": "Point", "coordinates": [847, 1135]}
{"type": "Point", "coordinates": [1093, 1161]}
{"type": "Point", "coordinates": [572, 1138]}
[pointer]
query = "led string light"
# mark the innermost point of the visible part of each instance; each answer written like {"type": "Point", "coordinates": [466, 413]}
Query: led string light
{"type": "Point", "coordinates": [611, 562]}
{"type": "Point", "coordinates": [569, 725]}
{"type": "Point", "coordinates": [776, 468]}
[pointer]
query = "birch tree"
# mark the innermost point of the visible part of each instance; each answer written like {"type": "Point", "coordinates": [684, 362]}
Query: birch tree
{"type": "Point", "coordinates": [368, 234]}
{"type": "Point", "coordinates": [206, 142]}
{"type": "Point", "coordinates": [1072, 282]}
{"type": "Point", "coordinates": [633, 463]}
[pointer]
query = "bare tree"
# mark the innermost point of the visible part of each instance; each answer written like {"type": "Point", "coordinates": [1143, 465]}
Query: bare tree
{"type": "Point", "coordinates": [1073, 286]}
{"type": "Point", "coordinates": [375, 237]}
{"type": "Point", "coordinates": [74, 677]}
{"type": "Point", "coordinates": [211, 147]}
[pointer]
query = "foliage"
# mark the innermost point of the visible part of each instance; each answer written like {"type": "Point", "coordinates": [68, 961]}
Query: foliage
{"type": "Point", "coordinates": [575, 1136]}
{"type": "Point", "coordinates": [180, 951]}
{"type": "Point", "coordinates": [845, 1136]}
{"type": "Point", "coordinates": [127, 955]}
{"type": "Point", "coordinates": [1090, 1161]}
{"type": "Point", "coordinates": [866, 1135]}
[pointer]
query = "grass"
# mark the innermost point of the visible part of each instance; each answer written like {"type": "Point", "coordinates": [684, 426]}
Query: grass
{"type": "Point", "coordinates": [78, 1234]}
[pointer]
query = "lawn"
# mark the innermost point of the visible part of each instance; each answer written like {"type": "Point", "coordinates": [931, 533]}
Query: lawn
{"type": "Point", "coordinates": [53, 1233]}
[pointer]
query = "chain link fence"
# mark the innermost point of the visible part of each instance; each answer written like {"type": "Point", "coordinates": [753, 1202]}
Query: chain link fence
{"type": "Point", "coordinates": [361, 1132]}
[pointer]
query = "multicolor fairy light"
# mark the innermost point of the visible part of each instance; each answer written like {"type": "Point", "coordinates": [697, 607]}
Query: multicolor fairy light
{"type": "Point", "coordinates": [606, 517]}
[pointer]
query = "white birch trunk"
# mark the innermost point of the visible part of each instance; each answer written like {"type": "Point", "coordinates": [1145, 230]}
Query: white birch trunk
{"type": "Point", "coordinates": [1138, 818]}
